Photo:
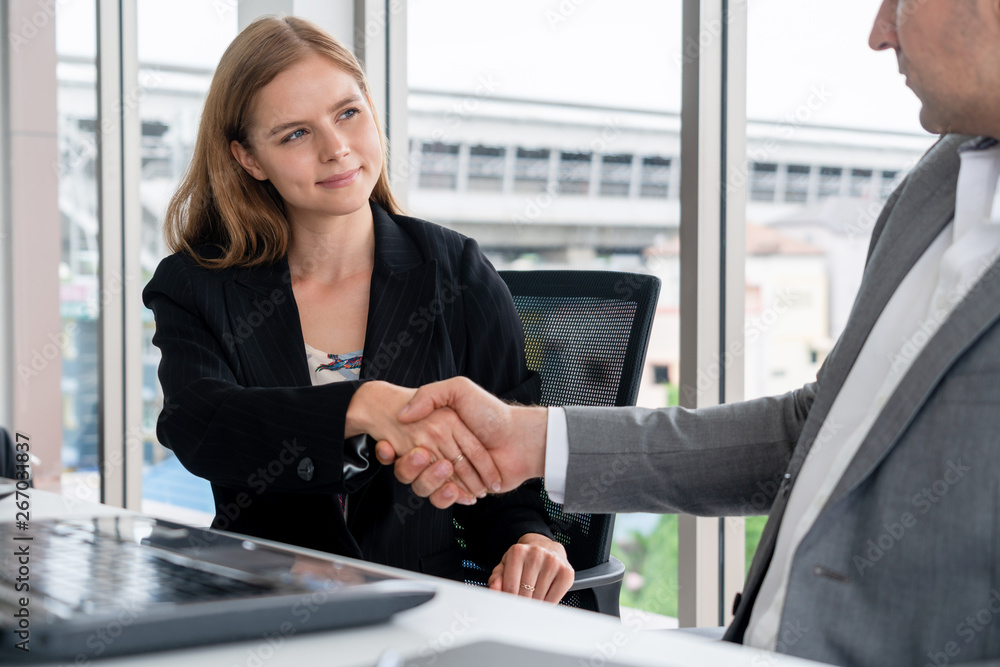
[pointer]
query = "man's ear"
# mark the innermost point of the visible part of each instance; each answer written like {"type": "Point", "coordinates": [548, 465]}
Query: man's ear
{"type": "Point", "coordinates": [246, 160]}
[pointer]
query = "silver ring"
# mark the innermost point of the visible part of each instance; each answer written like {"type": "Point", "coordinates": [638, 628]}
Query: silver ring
{"type": "Point", "coordinates": [458, 458]}
{"type": "Point", "coordinates": [528, 587]}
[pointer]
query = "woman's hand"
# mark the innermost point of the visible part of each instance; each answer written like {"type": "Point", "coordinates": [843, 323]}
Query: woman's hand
{"type": "Point", "coordinates": [442, 435]}
{"type": "Point", "coordinates": [535, 567]}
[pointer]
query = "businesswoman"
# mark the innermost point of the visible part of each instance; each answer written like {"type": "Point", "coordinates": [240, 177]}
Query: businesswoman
{"type": "Point", "coordinates": [297, 307]}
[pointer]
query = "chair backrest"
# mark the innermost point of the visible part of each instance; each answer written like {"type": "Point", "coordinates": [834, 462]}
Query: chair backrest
{"type": "Point", "coordinates": [586, 334]}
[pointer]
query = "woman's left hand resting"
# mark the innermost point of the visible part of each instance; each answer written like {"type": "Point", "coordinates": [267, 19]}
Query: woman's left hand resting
{"type": "Point", "coordinates": [536, 567]}
{"type": "Point", "coordinates": [442, 434]}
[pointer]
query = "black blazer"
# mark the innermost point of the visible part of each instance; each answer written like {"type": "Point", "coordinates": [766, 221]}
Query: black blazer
{"type": "Point", "coordinates": [240, 409]}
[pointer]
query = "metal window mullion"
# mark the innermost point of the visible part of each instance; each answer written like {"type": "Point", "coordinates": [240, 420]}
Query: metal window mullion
{"type": "Point", "coordinates": [711, 266]}
{"type": "Point", "coordinates": [6, 235]}
{"type": "Point", "coordinates": [111, 340]}
{"type": "Point", "coordinates": [734, 550]}
{"type": "Point", "coordinates": [131, 224]}
{"type": "Point", "coordinates": [380, 44]}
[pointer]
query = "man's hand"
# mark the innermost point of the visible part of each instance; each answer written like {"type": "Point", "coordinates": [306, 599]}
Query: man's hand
{"type": "Point", "coordinates": [535, 567]}
{"type": "Point", "coordinates": [514, 437]}
{"type": "Point", "coordinates": [441, 436]}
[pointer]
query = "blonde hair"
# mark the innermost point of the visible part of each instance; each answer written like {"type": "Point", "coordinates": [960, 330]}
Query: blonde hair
{"type": "Point", "coordinates": [217, 201]}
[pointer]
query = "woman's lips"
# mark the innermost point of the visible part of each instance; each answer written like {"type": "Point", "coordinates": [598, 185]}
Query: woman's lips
{"type": "Point", "coordinates": [341, 180]}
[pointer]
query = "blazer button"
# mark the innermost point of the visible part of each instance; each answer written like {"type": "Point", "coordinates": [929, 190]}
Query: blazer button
{"type": "Point", "coordinates": [306, 469]}
{"type": "Point", "coordinates": [787, 484]}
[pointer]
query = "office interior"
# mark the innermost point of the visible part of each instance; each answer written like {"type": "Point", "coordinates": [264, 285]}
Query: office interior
{"type": "Point", "coordinates": [714, 144]}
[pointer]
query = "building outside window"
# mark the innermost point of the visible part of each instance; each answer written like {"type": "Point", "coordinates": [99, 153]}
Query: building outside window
{"type": "Point", "coordinates": [763, 181]}
{"type": "Point", "coordinates": [616, 175]}
{"type": "Point", "coordinates": [829, 181]}
{"type": "Point", "coordinates": [439, 166]}
{"type": "Point", "coordinates": [531, 170]}
{"type": "Point", "coordinates": [574, 173]}
{"type": "Point", "coordinates": [797, 183]}
{"type": "Point", "coordinates": [861, 182]}
{"type": "Point", "coordinates": [655, 177]}
{"type": "Point", "coordinates": [486, 168]}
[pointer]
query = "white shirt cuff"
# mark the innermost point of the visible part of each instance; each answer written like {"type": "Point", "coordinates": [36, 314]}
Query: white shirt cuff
{"type": "Point", "coordinates": [556, 455]}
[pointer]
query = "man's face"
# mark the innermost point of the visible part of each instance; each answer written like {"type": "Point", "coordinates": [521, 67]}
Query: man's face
{"type": "Point", "coordinates": [946, 49]}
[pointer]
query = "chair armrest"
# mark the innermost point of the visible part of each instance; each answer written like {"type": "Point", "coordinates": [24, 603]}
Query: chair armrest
{"type": "Point", "coordinates": [599, 575]}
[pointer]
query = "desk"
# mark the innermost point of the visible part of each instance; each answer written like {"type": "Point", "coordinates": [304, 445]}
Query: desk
{"type": "Point", "coordinates": [458, 615]}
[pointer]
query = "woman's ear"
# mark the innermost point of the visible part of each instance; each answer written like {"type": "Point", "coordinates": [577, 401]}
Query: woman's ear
{"type": "Point", "coordinates": [246, 160]}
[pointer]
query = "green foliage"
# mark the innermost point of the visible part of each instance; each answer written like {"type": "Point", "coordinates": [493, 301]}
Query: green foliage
{"type": "Point", "coordinates": [654, 558]}
{"type": "Point", "coordinates": [754, 527]}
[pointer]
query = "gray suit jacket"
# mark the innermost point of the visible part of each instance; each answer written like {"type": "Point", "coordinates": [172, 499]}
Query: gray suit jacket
{"type": "Point", "coordinates": [902, 566]}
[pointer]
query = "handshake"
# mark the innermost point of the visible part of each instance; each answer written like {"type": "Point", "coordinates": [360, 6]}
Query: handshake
{"type": "Point", "coordinates": [452, 440]}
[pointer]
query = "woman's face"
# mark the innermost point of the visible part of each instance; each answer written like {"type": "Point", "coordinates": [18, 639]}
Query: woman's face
{"type": "Point", "coordinates": [313, 136]}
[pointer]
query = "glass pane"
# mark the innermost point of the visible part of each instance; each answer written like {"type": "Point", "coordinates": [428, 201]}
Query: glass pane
{"type": "Point", "coordinates": [79, 302]}
{"type": "Point", "coordinates": [830, 133]}
{"type": "Point", "coordinates": [572, 162]}
{"type": "Point", "coordinates": [174, 82]}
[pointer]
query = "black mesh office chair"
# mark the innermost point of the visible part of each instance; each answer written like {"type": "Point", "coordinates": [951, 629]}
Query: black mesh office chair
{"type": "Point", "coordinates": [586, 334]}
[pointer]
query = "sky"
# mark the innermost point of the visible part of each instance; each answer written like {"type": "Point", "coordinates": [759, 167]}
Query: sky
{"type": "Point", "coordinates": [618, 53]}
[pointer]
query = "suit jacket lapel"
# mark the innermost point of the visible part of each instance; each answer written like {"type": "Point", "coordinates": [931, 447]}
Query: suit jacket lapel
{"type": "Point", "coordinates": [925, 206]}
{"type": "Point", "coordinates": [266, 328]}
{"type": "Point", "coordinates": [971, 318]}
{"type": "Point", "coordinates": [401, 317]}
{"type": "Point", "coordinates": [267, 332]}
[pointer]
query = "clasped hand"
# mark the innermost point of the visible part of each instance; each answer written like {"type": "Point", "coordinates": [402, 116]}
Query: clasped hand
{"type": "Point", "coordinates": [451, 441]}
{"type": "Point", "coordinates": [439, 439]}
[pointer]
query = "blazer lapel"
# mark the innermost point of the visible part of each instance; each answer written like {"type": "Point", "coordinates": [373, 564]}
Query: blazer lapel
{"type": "Point", "coordinates": [925, 206]}
{"type": "Point", "coordinates": [402, 312]}
{"type": "Point", "coordinates": [266, 330]}
{"type": "Point", "coordinates": [971, 318]}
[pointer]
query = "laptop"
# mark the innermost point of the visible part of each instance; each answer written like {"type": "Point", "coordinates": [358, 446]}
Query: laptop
{"type": "Point", "coordinates": [84, 589]}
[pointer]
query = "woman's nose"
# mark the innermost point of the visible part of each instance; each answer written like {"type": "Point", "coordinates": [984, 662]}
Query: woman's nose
{"type": "Point", "coordinates": [333, 146]}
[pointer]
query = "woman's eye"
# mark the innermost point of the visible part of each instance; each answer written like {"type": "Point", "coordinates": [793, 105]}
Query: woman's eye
{"type": "Point", "coordinates": [350, 113]}
{"type": "Point", "coordinates": [294, 135]}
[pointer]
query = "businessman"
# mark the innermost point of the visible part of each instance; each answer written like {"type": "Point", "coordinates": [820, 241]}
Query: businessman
{"type": "Point", "coordinates": [881, 478]}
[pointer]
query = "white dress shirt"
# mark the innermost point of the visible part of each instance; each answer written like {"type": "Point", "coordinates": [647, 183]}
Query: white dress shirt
{"type": "Point", "coordinates": [940, 279]}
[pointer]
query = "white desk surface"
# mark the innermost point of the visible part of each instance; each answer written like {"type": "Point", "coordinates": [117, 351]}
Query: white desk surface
{"type": "Point", "coordinates": [458, 615]}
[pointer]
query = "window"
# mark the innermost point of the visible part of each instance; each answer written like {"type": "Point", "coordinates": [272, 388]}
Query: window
{"type": "Point", "coordinates": [486, 168]}
{"type": "Point", "coordinates": [797, 183]}
{"type": "Point", "coordinates": [655, 177]}
{"type": "Point", "coordinates": [531, 170]}
{"type": "Point", "coordinates": [169, 110]}
{"type": "Point", "coordinates": [890, 179]}
{"type": "Point", "coordinates": [574, 173]}
{"type": "Point", "coordinates": [439, 166]}
{"type": "Point", "coordinates": [861, 182]}
{"type": "Point", "coordinates": [763, 181]}
{"type": "Point", "coordinates": [616, 175]}
{"type": "Point", "coordinates": [830, 181]}
{"type": "Point", "coordinates": [814, 113]}
{"type": "Point", "coordinates": [559, 153]}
